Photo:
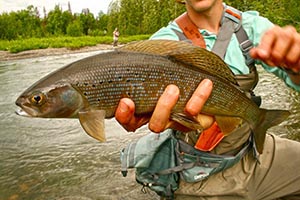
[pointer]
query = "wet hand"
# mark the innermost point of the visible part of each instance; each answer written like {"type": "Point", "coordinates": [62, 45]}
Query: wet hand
{"type": "Point", "coordinates": [159, 121]}
{"type": "Point", "coordinates": [279, 47]}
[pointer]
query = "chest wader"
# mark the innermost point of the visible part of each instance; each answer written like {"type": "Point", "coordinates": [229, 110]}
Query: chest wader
{"type": "Point", "coordinates": [160, 159]}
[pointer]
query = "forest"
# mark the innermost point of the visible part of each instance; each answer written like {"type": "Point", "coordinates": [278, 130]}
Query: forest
{"type": "Point", "coordinates": [132, 17]}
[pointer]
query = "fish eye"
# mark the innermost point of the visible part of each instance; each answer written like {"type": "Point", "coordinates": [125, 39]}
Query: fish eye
{"type": "Point", "coordinates": [38, 99]}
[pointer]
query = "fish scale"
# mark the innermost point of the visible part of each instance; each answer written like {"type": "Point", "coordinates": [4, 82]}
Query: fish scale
{"type": "Point", "coordinates": [160, 72]}
{"type": "Point", "coordinates": [140, 82]}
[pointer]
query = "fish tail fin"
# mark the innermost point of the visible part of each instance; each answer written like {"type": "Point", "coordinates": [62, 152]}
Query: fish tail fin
{"type": "Point", "coordinates": [268, 119]}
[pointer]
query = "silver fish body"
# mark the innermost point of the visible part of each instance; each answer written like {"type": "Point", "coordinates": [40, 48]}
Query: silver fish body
{"type": "Point", "coordinates": [91, 88]}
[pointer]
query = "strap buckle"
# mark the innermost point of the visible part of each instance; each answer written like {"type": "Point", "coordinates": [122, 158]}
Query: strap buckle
{"type": "Point", "coordinates": [245, 47]}
{"type": "Point", "coordinates": [233, 15]}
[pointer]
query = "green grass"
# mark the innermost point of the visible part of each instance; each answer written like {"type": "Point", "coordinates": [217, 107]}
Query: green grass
{"type": "Point", "coordinates": [16, 46]}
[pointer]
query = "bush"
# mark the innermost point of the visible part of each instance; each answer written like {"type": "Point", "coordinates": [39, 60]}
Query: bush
{"type": "Point", "coordinates": [74, 29]}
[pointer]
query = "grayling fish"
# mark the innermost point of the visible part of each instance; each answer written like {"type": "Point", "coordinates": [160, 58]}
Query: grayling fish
{"type": "Point", "coordinates": [90, 89]}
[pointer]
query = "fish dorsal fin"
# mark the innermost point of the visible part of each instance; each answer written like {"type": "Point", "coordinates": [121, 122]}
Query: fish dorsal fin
{"type": "Point", "coordinates": [186, 53]}
{"type": "Point", "coordinates": [92, 122]}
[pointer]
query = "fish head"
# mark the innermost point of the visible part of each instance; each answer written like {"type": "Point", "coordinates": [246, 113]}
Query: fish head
{"type": "Point", "coordinates": [54, 101]}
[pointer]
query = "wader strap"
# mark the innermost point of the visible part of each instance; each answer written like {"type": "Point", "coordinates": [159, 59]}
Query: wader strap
{"type": "Point", "coordinates": [128, 158]}
{"type": "Point", "coordinates": [178, 168]}
{"type": "Point", "coordinates": [232, 23]}
{"type": "Point", "coordinates": [225, 33]}
{"type": "Point", "coordinates": [190, 30]}
{"type": "Point", "coordinates": [186, 148]}
{"type": "Point", "coordinates": [222, 162]}
{"type": "Point", "coordinates": [245, 45]}
{"type": "Point", "coordinates": [182, 37]}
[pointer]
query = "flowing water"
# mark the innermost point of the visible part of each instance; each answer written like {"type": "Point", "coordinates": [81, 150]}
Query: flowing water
{"type": "Point", "coordinates": [55, 159]}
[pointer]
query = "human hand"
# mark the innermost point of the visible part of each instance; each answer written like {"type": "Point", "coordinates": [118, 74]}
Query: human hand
{"type": "Point", "coordinates": [279, 47]}
{"type": "Point", "coordinates": [160, 118]}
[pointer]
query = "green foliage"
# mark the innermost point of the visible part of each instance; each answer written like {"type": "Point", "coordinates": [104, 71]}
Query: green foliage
{"type": "Point", "coordinates": [57, 21]}
{"type": "Point", "coordinates": [21, 24]}
{"type": "Point", "coordinates": [281, 12]}
{"type": "Point", "coordinates": [142, 16]}
{"type": "Point", "coordinates": [87, 21]}
{"type": "Point", "coordinates": [74, 29]}
{"type": "Point", "coordinates": [15, 46]}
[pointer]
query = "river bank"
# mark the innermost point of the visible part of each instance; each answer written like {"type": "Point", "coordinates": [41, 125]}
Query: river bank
{"type": "Point", "coordinates": [6, 56]}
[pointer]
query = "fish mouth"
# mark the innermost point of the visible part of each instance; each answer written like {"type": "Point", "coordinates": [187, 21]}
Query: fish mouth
{"type": "Point", "coordinates": [21, 112]}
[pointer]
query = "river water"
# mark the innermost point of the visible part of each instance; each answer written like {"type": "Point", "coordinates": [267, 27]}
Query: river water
{"type": "Point", "coordinates": [55, 159]}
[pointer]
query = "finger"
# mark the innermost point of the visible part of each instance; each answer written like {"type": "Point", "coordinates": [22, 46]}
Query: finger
{"type": "Point", "coordinates": [259, 54]}
{"type": "Point", "coordinates": [263, 50]}
{"type": "Point", "coordinates": [162, 111]}
{"type": "Point", "coordinates": [199, 97]}
{"type": "Point", "coordinates": [125, 115]}
{"type": "Point", "coordinates": [125, 111]}
{"type": "Point", "coordinates": [293, 56]}
{"type": "Point", "coordinates": [254, 53]}
{"type": "Point", "coordinates": [282, 45]}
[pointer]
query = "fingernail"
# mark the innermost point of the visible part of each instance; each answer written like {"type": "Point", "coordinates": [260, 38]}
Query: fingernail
{"type": "Point", "coordinates": [263, 53]}
{"type": "Point", "coordinates": [172, 89]}
{"type": "Point", "coordinates": [123, 107]}
{"type": "Point", "coordinates": [206, 83]}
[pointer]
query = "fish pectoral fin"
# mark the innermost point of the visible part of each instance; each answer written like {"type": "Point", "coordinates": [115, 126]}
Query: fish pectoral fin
{"type": "Point", "coordinates": [92, 122]}
{"type": "Point", "coordinates": [186, 121]}
{"type": "Point", "coordinates": [228, 124]}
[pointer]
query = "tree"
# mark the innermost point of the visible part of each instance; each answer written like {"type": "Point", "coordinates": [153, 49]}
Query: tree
{"type": "Point", "coordinates": [74, 29]}
{"type": "Point", "coordinates": [130, 16]}
{"type": "Point", "coordinates": [8, 26]}
{"type": "Point", "coordinates": [57, 21]}
{"type": "Point", "coordinates": [21, 24]}
{"type": "Point", "coordinates": [151, 21]}
{"type": "Point", "coordinates": [113, 13]}
{"type": "Point", "coordinates": [87, 21]}
{"type": "Point", "coordinates": [102, 22]}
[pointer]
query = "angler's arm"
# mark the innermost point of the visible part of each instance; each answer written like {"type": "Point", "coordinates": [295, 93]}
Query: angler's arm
{"type": "Point", "coordinates": [159, 121]}
{"type": "Point", "coordinates": [281, 47]}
